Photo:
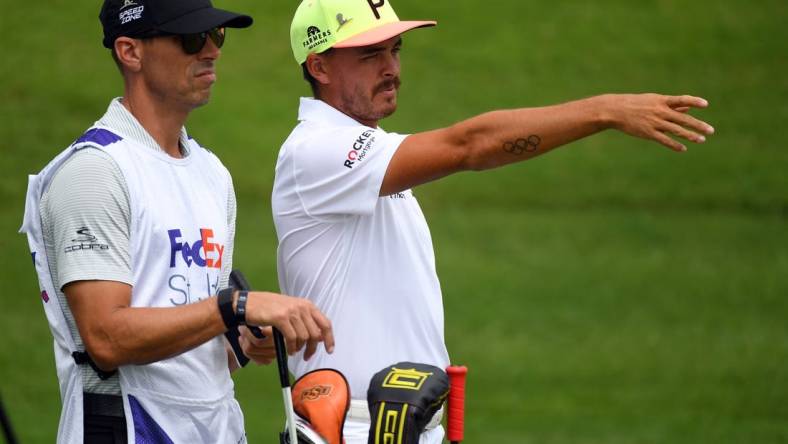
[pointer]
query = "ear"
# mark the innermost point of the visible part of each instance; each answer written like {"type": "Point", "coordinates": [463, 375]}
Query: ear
{"type": "Point", "coordinates": [129, 52]}
{"type": "Point", "coordinates": [319, 67]}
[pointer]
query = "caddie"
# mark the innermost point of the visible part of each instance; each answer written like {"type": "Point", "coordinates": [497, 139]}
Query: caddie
{"type": "Point", "coordinates": [352, 237]}
{"type": "Point", "coordinates": [131, 231]}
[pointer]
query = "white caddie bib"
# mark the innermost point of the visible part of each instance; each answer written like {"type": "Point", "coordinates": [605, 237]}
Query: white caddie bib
{"type": "Point", "coordinates": [178, 233]}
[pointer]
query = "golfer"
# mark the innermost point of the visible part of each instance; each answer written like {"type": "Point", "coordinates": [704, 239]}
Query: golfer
{"type": "Point", "coordinates": [352, 237]}
{"type": "Point", "coordinates": [131, 230]}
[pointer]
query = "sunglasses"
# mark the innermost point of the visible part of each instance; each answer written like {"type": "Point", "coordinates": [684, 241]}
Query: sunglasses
{"type": "Point", "coordinates": [193, 43]}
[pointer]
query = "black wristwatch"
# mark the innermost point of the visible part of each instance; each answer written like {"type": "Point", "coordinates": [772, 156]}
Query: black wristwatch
{"type": "Point", "coordinates": [225, 301]}
{"type": "Point", "coordinates": [240, 307]}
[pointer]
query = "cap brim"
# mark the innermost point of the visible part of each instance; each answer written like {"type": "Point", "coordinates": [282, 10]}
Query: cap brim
{"type": "Point", "coordinates": [205, 19]}
{"type": "Point", "coordinates": [381, 33]}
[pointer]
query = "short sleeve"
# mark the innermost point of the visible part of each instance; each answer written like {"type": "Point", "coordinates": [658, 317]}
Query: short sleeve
{"type": "Point", "coordinates": [339, 171]}
{"type": "Point", "coordinates": [86, 220]}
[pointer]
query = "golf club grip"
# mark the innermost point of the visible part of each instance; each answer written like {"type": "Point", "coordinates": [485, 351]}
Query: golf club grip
{"type": "Point", "coordinates": [238, 280]}
{"type": "Point", "coordinates": [456, 420]}
{"type": "Point", "coordinates": [281, 358]}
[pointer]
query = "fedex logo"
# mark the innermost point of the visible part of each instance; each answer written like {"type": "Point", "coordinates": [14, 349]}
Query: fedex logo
{"type": "Point", "coordinates": [203, 252]}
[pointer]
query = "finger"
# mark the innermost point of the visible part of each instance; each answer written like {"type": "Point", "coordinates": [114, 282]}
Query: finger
{"type": "Point", "coordinates": [256, 353]}
{"type": "Point", "coordinates": [266, 350]}
{"type": "Point", "coordinates": [302, 334]}
{"type": "Point", "coordinates": [246, 332]}
{"type": "Point", "coordinates": [243, 342]}
{"type": "Point", "coordinates": [311, 348]}
{"type": "Point", "coordinates": [680, 131]}
{"type": "Point", "coordinates": [267, 335]}
{"type": "Point", "coordinates": [326, 329]}
{"type": "Point", "coordinates": [689, 121]}
{"type": "Point", "coordinates": [264, 346]}
{"type": "Point", "coordinates": [668, 142]}
{"type": "Point", "coordinates": [689, 101]}
{"type": "Point", "coordinates": [288, 333]}
{"type": "Point", "coordinates": [260, 354]}
{"type": "Point", "coordinates": [260, 358]}
{"type": "Point", "coordinates": [253, 353]}
{"type": "Point", "coordinates": [315, 336]}
{"type": "Point", "coordinates": [314, 339]}
{"type": "Point", "coordinates": [682, 109]}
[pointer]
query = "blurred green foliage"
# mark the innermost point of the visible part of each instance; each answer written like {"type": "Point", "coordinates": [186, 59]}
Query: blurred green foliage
{"type": "Point", "coordinates": [609, 292]}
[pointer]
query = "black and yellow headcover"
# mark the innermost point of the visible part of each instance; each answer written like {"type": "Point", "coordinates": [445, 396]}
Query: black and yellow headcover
{"type": "Point", "coordinates": [402, 399]}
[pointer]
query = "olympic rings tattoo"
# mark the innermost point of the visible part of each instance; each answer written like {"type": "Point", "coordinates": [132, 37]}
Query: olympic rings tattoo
{"type": "Point", "coordinates": [521, 146]}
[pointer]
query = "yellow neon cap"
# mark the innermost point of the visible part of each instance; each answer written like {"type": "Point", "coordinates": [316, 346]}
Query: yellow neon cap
{"type": "Point", "coordinates": [322, 24]}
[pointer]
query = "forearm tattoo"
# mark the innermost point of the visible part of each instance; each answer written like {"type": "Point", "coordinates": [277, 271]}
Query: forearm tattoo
{"type": "Point", "coordinates": [520, 146]}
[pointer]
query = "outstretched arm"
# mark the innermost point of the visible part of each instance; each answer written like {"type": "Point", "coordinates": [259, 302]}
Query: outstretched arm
{"type": "Point", "coordinates": [502, 137]}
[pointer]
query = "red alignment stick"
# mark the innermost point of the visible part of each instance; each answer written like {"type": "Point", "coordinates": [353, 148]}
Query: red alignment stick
{"type": "Point", "coordinates": [456, 421]}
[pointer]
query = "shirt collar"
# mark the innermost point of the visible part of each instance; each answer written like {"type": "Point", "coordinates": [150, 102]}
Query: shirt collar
{"type": "Point", "coordinates": [118, 117]}
{"type": "Point", "coordinates": [316, 110]}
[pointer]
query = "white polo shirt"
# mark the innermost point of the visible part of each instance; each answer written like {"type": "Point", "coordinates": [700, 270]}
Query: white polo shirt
{"type": "Point", "coordinates": [366, 261]}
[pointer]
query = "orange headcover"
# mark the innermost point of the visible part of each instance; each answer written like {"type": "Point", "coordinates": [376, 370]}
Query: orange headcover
{"type": "Point", "coordinates": [322, 397]}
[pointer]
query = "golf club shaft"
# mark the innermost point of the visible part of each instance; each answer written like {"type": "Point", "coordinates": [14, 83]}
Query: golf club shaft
{"type": "Point", "coordinates": [281, 361]}
{"type": "Point", "coordinates": [284, 380]}
{"type": "Point", "coordinates": [281, 358]}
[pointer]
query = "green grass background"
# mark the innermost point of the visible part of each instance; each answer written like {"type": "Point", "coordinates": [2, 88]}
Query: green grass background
{"type": "Point", "coordinates": [609, 292]}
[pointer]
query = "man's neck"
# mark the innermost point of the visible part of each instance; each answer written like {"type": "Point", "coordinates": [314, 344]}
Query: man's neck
{"type": "Point", "coordinates": [337, 104]}
{"type": "Point", "coordinates": [163, 123]}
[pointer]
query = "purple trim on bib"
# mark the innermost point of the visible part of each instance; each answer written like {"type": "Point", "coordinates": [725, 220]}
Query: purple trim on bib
{"type": "Point", "coordinates": [146, 429]}
{"type": "Point", "coordinates": [99, 136]}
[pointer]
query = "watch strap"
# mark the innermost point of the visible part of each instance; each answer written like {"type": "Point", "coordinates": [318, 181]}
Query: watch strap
{"type": "Point", "coordinates": [225, 301]}
{"type": "Point", "coordinates": [240, 307]}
